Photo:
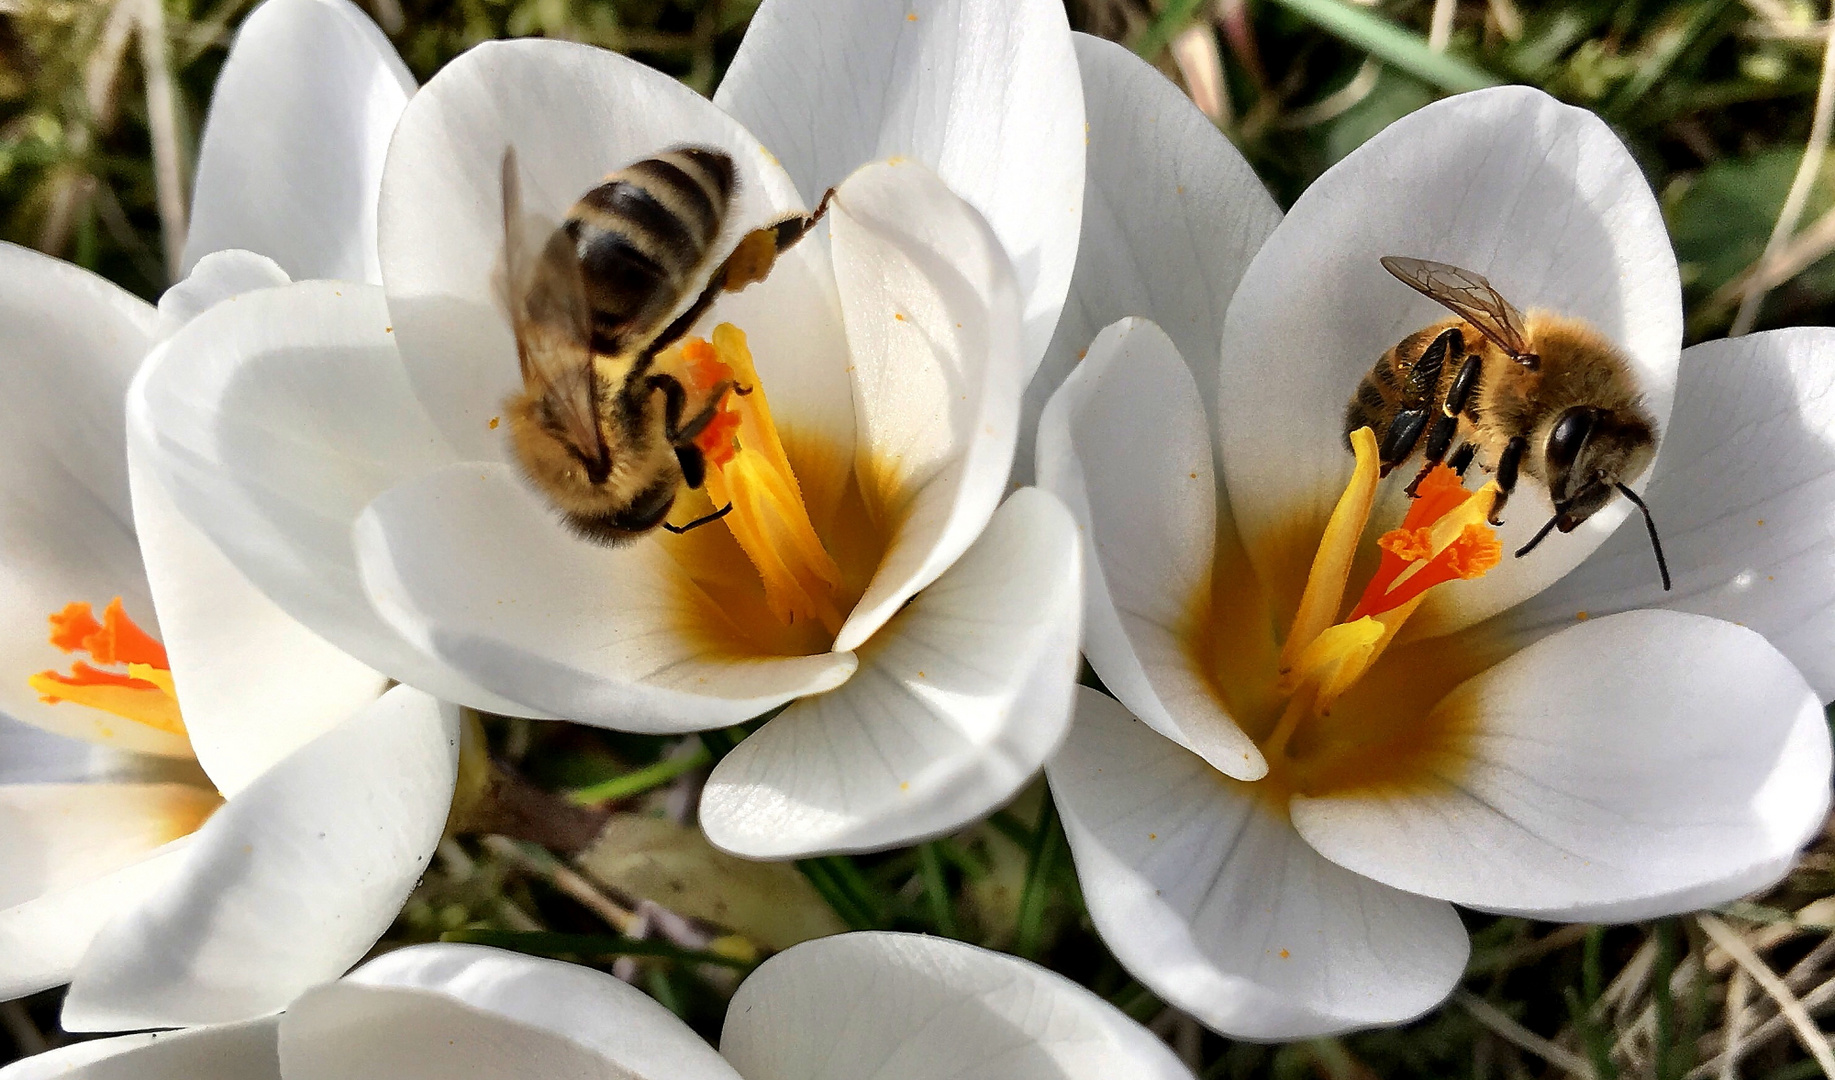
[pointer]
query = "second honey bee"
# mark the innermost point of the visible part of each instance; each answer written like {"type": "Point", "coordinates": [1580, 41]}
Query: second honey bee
{"type": "Point", "coordinates": [1540, 393]}
{"type": "Point", "coordinates": [597, 426]}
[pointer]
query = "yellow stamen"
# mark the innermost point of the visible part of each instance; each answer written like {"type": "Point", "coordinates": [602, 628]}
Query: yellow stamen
{"type": "Point", "coordinates": [1331, 568]}
{"type": "Point", "coordinates": [144, 695]}
{"type": "Point", "coordinates": [748, 469]}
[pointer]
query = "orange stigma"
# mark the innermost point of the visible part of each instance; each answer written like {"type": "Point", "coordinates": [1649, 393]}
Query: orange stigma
{"type": "Point", "coordinates": [144, 693]}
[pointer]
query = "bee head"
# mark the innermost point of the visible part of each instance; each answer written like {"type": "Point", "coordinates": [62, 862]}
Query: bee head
{"type": "Point", "coordinates": [628, 521]}
{"type": "Point", "coordinates": [1589, 455]}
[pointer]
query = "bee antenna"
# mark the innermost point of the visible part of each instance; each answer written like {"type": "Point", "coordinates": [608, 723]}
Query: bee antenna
{"type": "Point", "coordinates": [704, 519]}
{"type": "Point", "coordinates": [1651, 525]}
{"type": "Point", "coordinates": [1544, 531]}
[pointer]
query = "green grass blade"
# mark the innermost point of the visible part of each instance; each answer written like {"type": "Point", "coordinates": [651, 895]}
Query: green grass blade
{"type": "Point", "coordinates": [1392, 44]}
{"type": "Point", "coordinates": [1047, 838]}
{"type": "Point", "coordinates": [642, 780]}
{"type": "Point", "coordinates": [936, 890]}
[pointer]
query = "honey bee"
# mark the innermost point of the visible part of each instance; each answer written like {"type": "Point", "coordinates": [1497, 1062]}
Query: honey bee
{"type": "Point", "coordinates": [1539, 393]}
{"type": "Point", "coordinates": [597, 427]}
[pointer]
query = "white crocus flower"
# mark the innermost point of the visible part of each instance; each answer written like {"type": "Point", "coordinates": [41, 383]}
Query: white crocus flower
{"type": "Point", "coordinates": [342, 442]}
{"type": "Point", "coordinates": [1558, 738]}
{"type": "Point", "coordinates": [231, 810]}
{"type": "Point", "coordinates": [894, 1006]}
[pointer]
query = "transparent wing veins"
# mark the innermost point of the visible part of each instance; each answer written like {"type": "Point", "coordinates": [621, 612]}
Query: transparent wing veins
{"type": "Point", "coordinates": [1467, 295]}
{"type": "Point", "coordinates": [541, 287]}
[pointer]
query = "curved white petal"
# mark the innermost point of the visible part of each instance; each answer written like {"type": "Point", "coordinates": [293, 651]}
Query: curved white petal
{"type": "Point", "coordinates": [216, 277]}
{"type": "Point", "coordinates": [43, 939]}
{"type": "Point", "coordinates": [274, 419]}
{"type": "Point", "coordinates": [957, 703]}
{"type": "Point", "coordinates": [1172, 214]}
{"type": "Point", "coordinates": [473, 569]}
{"type": "Point", "coordinates": [1621, 761]}
{"type": "Point", "coordinates": [573, 114]}
{"type": "Point", "coordinates": [253, 684]}
{"type": "Point", "coordinates": [226, 1052]}
{"type": "Point", "coordinates": [1209, 898]}
{"type": "Point", "coordinates": [432, 1012]}
{"type": "Point", "coordinates": [1148, 514]}
{"type": "Point", "coordinates": [292, 155]}
{"type": "Point", "coordinates": [289, 884]}
{"type": "Point", "coordinates": [1540, 197]}
{"type": "Point", "coordinates": [1743, 495]}
{"type": "Point", "coordinates": [69, 344]}
{"type": "Point", "coordinates": [923, 1008]}
{"type": "Point", "coordinates": [53, 836]}
{"type": "Point", "coordinates": [32, 755]}
{"type": "Point", "coordinates": [931, 310]}
{"type": "Point", "coordinates": [982, 93]}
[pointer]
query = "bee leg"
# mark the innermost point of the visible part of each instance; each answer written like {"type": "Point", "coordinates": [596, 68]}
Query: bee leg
{"type": "Point", "coordinates": [1464, 383]}
{"type": "Point", "coordinates": [704, 519]}
{"type": "Point", "coordinates": [675, 402]}
{"type": "Point", "coordinates": [1507, 464]}
{"type": "Point", "coordinates": [1439, 437]}
{"type": "Point", "coordinates": [792, 229]}
{"type": "Point", "coordinates": [1399, 441]}
{"type": "Point", "coordinates": [1462, 458]}
{"type": "Point", "coordinates": [693, 463]}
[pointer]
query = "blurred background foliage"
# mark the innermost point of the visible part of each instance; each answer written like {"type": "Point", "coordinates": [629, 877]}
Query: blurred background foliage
{"type": "Point", "coordinates": [588, 850]}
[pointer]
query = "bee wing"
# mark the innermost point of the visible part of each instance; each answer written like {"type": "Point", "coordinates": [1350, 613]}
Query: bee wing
{"type": "Point", "coordinates": [540, 285]}
{"type": "Point", "coordinates": [1467, 295]}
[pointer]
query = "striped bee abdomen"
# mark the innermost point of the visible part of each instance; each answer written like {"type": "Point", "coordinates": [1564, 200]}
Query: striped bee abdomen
{"type": "Point", "coordinates": [642, 234]}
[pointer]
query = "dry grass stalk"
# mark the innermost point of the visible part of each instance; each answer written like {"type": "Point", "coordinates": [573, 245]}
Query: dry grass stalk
{"type": "Point", "coordinates": [1788, 1004]}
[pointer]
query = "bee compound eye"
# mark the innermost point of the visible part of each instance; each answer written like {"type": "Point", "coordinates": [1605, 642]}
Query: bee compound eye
{"type": "Point", "coordinates": [1568, 436]}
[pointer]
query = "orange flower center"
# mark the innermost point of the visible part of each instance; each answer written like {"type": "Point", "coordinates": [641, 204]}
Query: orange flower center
{"type": "Point", "coordinates": [748, 470]}
{"type": "Point", "coordinates": [143, 693]}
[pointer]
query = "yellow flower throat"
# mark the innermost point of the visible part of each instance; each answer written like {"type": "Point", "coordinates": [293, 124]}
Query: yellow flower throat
{"type": "Point", "coordinates": [1322, 710]}
{"type": "Point", "coordinates": [749, 470]}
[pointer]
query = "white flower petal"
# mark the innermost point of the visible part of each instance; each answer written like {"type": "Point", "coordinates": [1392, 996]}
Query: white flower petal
{"type": "Point", "coordinates": [32, 755]}
{"type": "Point", "coordinates": [253, 684]}
{"type": "Point", "coordinates": [58, 835]}
{"type": "Point", "coordinates": [432, 1012]}
{"type": "Point", "coordinates": [982, 93]}
{"type": "Point", "coordinates": [69, 344]}
{"type": "Point", "coordinates": [289, 884]}
{"type": "Point", "coordinates": [1172, 214]}
{"type": "Point", "coordinates": [227, 1052]}
{"type": "Point", "coordinates": [1743, 495]}
{"type": "Point", "coordinates": [957, 703]}
{"type": "Point", "coordinates": [274, 419]}
{"type": "Point", "coordinates": [217, 277]}
{"type": "Point", "coordinates": [923, 1008]}
{"type": "Point", "coordinates": [574, 114]}
{"type": "Point", "coordinates": [42, 939]}
{"type": "Point", "coordinates": [1209, 898]}
{"type": "Point", "coordinates": [1147, 510]}
{"type": "Point", "coordinates": [471, 567]}
{"type": "Point", "coordinates": [1539, 197]}
{"type": "Point", "coordinates": [932, 321]}
{"type": "Point", "coordinates": [292, 155]}
{"type": "Point", "coordinates": [1623, 760]}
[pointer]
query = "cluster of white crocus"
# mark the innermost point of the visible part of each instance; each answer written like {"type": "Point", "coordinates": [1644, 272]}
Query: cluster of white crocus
{"type": "Point", "coordinates": [340, 441]}
{"type": "Point", "coordinates": [1559, 738]}
{"type": "Point", "coordinates": [895, 1006]}
{"type": "Point", "coordinates": [230, 810]}
{"type": "Point", "coordinates": [293, 475]}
